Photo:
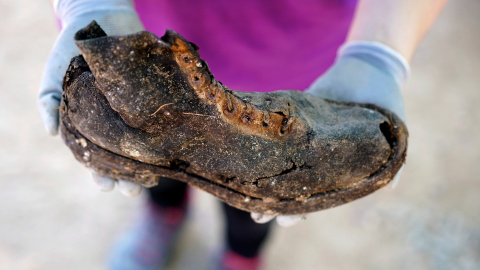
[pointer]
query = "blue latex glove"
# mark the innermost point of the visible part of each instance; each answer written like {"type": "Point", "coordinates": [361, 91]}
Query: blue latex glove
{"type": "Point", "coordinates": [365, 72]}
{"type": "Point", "coordinates": [116, 17]}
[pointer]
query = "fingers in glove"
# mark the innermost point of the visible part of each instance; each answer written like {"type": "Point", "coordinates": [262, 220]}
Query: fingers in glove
{"type": "Point", "coordinates": [48, 104]}
{"type": "Point", "coordinates": [103, 183]}
{"type": "Point", "coordinates": [128, 188]}
{"type": "Point", "coordinates": [261, 218]}
{"type": "Point", "coordinates": [396, 179]}
{"type": "Point", "coordinates": [284, 221]}
{"type": "Point", "coordinates": [287, 221]}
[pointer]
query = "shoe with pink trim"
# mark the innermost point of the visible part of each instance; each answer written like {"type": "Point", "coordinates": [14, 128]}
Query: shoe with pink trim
{"type": "Point", "coordinates": [233, 261]}
{"type": "Point", "coordinates": [148, 244]}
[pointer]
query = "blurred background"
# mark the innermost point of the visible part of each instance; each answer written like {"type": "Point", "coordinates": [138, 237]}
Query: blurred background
{"type": "Point", "coordinates": [53, 217]}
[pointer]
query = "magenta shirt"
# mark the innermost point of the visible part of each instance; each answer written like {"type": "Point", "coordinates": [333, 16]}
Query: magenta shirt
{"type": "Point", "coordinates": [257, 45]}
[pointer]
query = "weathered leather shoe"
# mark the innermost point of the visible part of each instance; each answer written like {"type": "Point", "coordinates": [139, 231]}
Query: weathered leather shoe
{"type": "Point", "coordinates": [140, 108]}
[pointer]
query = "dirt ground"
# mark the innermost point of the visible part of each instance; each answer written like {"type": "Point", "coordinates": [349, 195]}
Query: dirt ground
{"type": "Point", "coordinates": [53, 217]}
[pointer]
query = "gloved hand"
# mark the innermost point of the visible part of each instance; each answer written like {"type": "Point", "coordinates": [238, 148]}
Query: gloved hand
{"type": "Point", "coordinates": [365, 72]}
{"type": "Point", "coordinates": [116, 17]}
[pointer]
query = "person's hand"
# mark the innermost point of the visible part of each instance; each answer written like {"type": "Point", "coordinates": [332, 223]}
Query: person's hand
{"type": "Point", "coordinates": [365, 72]}
{"type": "Point", "coordinates": [116, 17]}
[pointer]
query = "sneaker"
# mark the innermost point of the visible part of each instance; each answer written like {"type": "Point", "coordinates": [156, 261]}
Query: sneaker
{"type": "Point", "coordinates": [231, 260]}
{"type": "Point", "coordinates": [147, 245]}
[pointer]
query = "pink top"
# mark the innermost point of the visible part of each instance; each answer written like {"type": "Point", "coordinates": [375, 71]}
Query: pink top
{"type": "Point", "coordinates": [257, 45]}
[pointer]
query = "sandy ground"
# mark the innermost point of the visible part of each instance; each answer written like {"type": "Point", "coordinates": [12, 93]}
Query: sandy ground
{"type": "Point", "coordinates": [52, 216]}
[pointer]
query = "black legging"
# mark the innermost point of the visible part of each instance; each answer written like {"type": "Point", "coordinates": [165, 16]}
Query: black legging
{"type": "Point", "coordinates": [243, 235]}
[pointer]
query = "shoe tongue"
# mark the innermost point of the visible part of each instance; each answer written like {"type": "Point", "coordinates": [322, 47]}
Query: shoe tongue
{"type": "Point", "coordinates": [93, 30]}
{"type": "Point", "coordinates": [139, 75]}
